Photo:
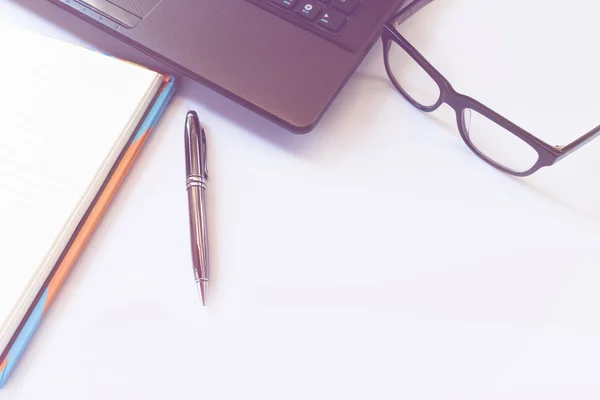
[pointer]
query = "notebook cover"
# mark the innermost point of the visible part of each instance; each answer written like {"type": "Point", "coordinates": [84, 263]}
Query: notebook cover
{"type": "Point", "coordinates": [89, 225]}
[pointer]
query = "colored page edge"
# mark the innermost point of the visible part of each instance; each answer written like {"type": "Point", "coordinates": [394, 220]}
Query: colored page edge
{"type": "Point", "coordinates": [50, 292]}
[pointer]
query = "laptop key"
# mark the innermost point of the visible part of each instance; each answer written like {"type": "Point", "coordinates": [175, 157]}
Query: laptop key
{"type": "Point", "coordinates": [347, 6]}
{"type": "Point", "coordinates": [285, 3]}
{"type": "Point", "coordinates": [332, 20]}
{"type": "Point", "coordinates": [309, 9]}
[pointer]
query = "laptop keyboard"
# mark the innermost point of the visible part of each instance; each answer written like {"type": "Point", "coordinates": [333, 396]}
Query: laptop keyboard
{"type": "Point", "coordinates": [331, 15]}
{"type": "Point", "coordinates": [350, 24]}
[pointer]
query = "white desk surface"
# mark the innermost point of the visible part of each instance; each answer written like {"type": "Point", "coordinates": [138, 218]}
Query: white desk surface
{"type": "Point", "coordinates": [373, 258]}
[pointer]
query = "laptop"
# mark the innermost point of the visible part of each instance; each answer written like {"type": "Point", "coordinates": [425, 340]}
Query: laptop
{"type": "Point", "coordinates": [284, 59]}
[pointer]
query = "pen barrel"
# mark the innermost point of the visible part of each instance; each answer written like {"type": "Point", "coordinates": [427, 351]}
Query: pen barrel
{"type": "Point", "coordinates": [198, 229]}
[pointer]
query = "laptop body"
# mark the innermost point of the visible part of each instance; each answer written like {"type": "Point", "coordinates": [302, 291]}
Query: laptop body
{"type": "Point", "coordinates": [284, 59]}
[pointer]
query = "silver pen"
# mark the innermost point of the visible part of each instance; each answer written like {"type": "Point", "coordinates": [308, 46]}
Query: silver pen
{"type": "Point", "coordinates": [197, 174]}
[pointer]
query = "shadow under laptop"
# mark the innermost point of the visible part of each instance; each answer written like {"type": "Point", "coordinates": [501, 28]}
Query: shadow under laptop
{"type": "Point", "coordinates": [346, 122]}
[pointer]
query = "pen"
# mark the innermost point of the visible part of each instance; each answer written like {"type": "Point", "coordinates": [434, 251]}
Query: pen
{"type": "Point", "coordinates": [196, 172]}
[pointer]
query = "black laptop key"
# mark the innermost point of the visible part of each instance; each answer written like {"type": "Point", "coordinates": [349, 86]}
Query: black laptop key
{"type": "Point", "coordinates": [347, 6]}
{"type": "Point", "coordinates": [309, 9]}
{"type": "Point", "coordinates": [332, 20]}
{"type": "Point", "coordinates": [285, 3]}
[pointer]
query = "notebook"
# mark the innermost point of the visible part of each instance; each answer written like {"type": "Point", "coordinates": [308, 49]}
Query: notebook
{"type": "Point", "coordinates": [72, 122]}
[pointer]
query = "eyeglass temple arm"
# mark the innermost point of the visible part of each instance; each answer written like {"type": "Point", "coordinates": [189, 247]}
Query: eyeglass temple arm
{"type": "Point", "coordinates": [576, 144]}
{"type": "Point", "coordinates": [407, 9]}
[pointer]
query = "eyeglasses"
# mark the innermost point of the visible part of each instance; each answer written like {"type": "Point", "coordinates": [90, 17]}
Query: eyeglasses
{"type": "Point", "coordinates": [493, 138]}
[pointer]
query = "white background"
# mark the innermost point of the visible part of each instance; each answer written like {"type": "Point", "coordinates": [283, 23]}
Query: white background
{"type": "Point", "coordinates": [375, 257]}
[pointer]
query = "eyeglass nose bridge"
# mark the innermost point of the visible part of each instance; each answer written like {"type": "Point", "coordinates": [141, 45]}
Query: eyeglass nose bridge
{"type": "Point", "coordinates": [450, 96]}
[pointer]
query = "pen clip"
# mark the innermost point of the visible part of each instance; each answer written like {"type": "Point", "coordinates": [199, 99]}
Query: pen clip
{"type": "Point", "coordinates": [204, 154]}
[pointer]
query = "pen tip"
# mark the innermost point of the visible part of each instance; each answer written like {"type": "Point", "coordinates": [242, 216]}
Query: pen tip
{"type": "Point", "coordinates": [202, 289]}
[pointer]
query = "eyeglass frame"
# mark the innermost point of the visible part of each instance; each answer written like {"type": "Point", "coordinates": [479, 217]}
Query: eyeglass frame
{"type": "Point", "coordinates": [547, 154]}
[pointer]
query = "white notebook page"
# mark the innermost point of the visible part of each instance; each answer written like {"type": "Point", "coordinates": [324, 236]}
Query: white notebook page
{"type": "Point", "coordinates": [65, 115]}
